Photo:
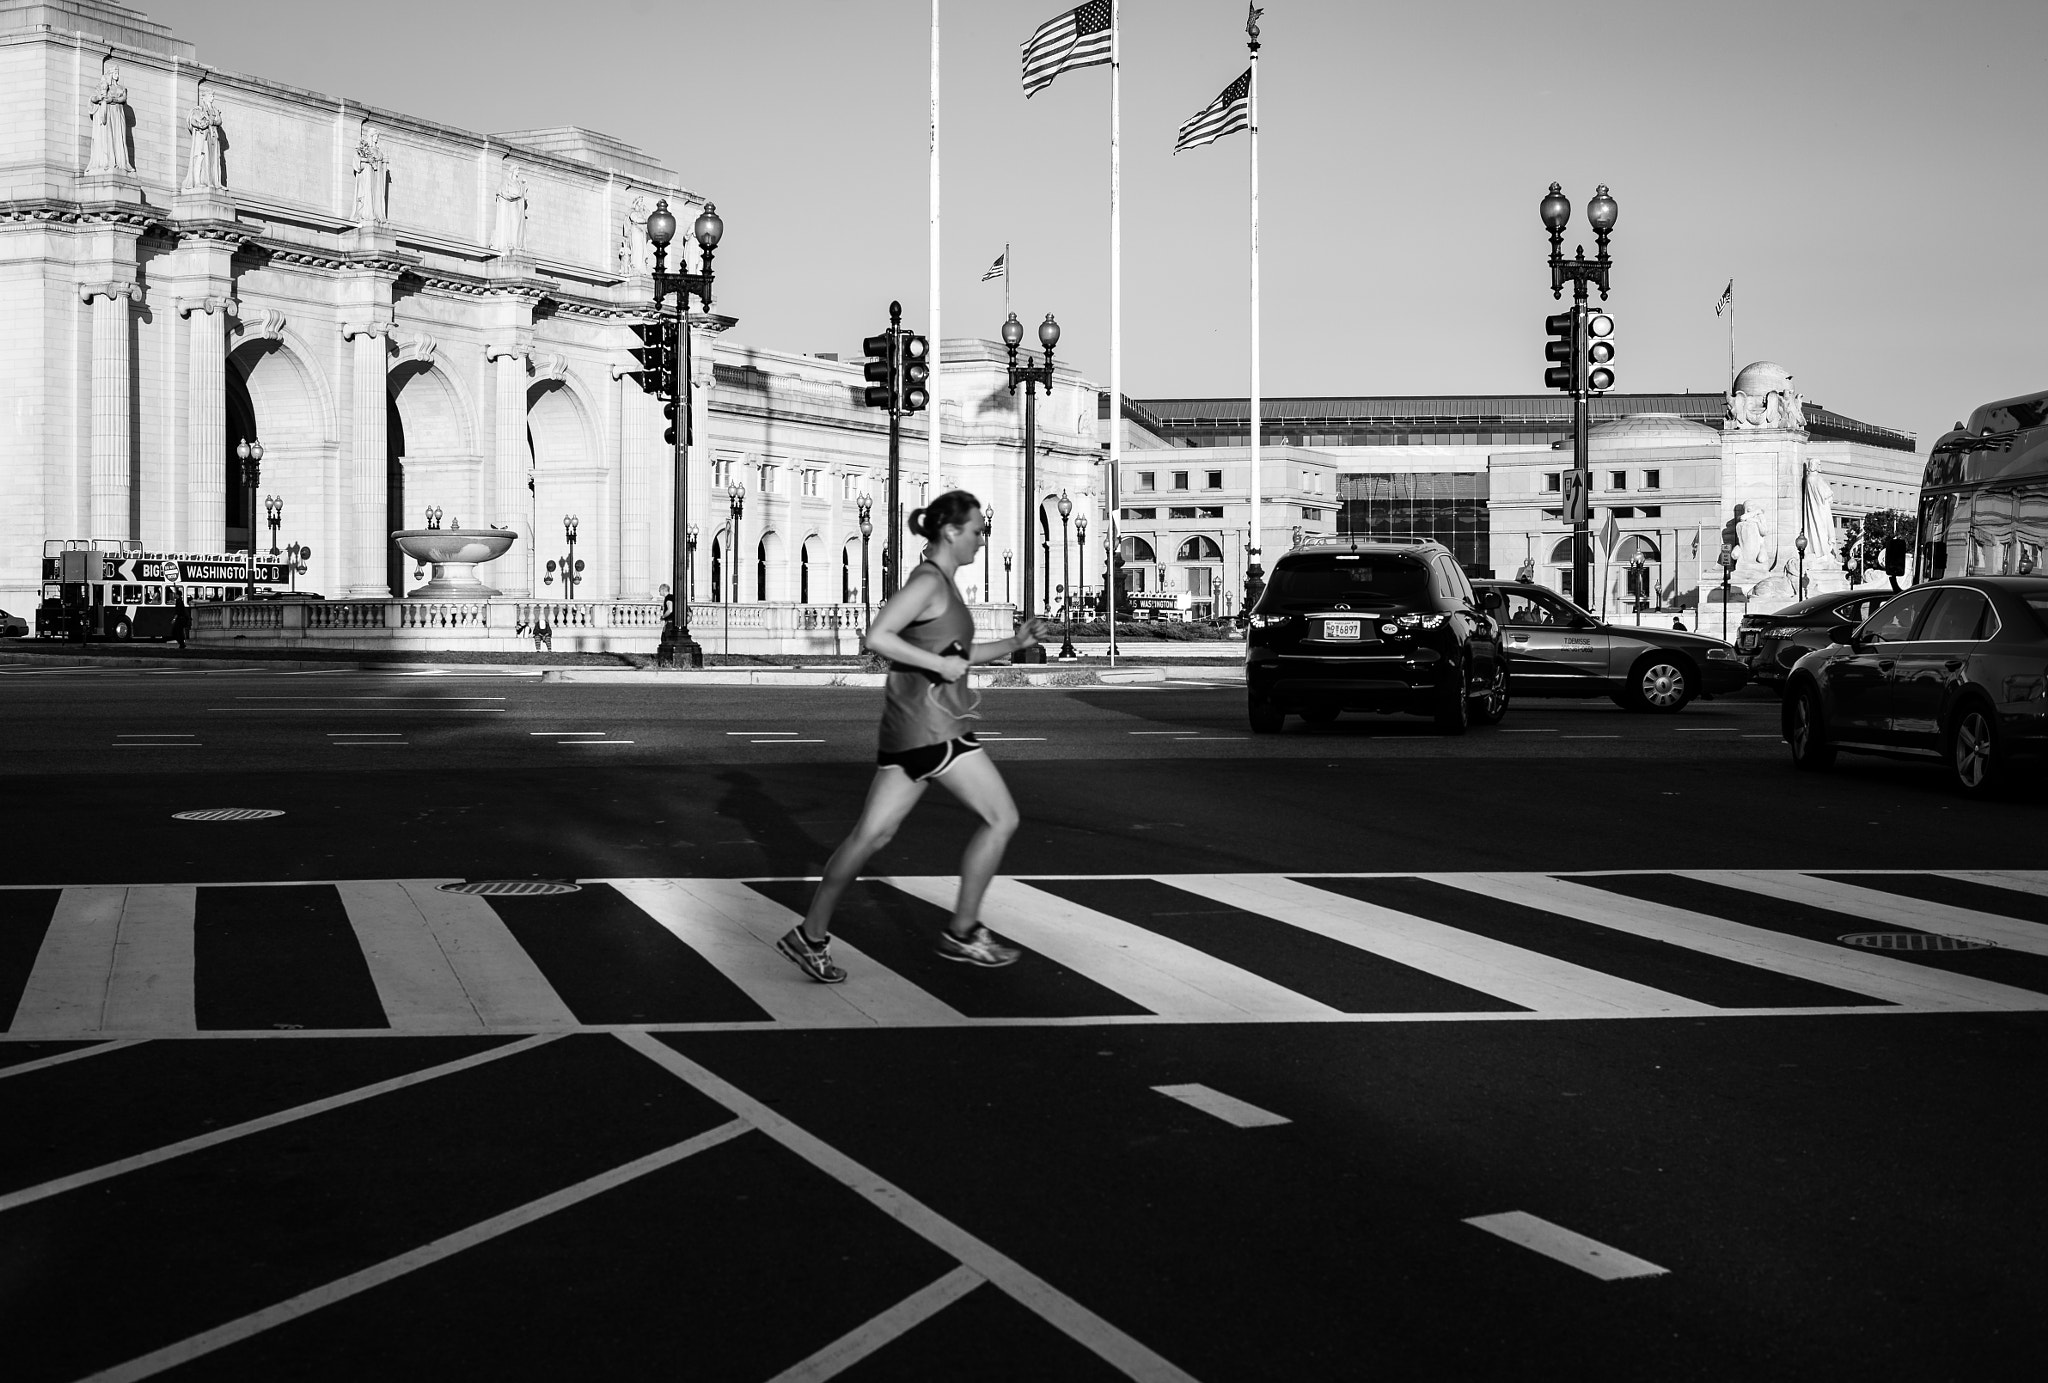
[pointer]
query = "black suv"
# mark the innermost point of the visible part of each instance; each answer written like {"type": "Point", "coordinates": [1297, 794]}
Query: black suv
{"type": "Point", "coordinates": [1372, 624]}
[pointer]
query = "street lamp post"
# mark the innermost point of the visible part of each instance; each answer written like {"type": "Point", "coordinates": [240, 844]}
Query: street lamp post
{"type": "Point", "coordinates": [1081, 557]}
{"type": "Point", "coordinates": [251, 456]}
{"type": "Point", "coordinates": [1601, 212]}
{"type": "Point", "coordinates": [708, 230]}
{"type": "Point", "coordinates": [1727, 575]}
{"type": "Point", "coordinates": [988, 533]}
{"type": "Point", "coordinates": [1066, 577]}
{"type": "Point", "coordinates": [691, 569]}
{"type": "Point", "coordinates": [1030, 376]}
{"type": "Point", "coordinates": [736, 496]}
{"type": "Point", "coordinates": [865, 505]}
{"type": "Point", "coordinates": [571, 566]}
{"type": "Point", "coordinates": [273, 513]}
{"type": "Point", "coordinates": [1007, 557]}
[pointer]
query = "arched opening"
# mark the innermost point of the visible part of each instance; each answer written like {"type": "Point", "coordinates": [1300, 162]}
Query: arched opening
{"type": "Point", "coordinates": [761, 570]}
{"type": "Point", "coordinates": [235, 502]}
{"type": "Point", "coordinates": [1132, 554]}
{"type": "Point", "coordinates": [803, 570]}
{"type": "Point", "coordinates": [846, 574]}
{"type": "Point", "coordinates": [1199, 550]}
{"type": "Point", "coordinates": [718, 567]}
{"type": "Point", "coordinates": [1637, 545]}
{"type": "Point", "coordinates": [566, 478]}
{"type": "Point", "coordinates": [395, 562]}
{"type": "Point", "coordinates": [272, 396]}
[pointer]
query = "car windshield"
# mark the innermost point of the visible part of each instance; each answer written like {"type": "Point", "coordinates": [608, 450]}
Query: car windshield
{"type": "Point", "coordinates": [1376, 581]}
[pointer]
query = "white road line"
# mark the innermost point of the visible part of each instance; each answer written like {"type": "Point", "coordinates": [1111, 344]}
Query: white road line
{"type": "Point", "coordinates": [501, 983]}
{"type": "Point", "coordinates": [150, 986]}
{"type": "Point", "coordinates": [2019, 880]}
{"type": "Point", "coordinates": [66, 993]}
{"type": "Point", "coordinates": [1528, 732]}
{"type": "Point", "coordinates": [1867, 905]}
{"type": "Point", "coordinates": [164, 736]}
{"type": "Point", "coordinates": [156, 744]}
{"type": "Point", "coordinates": [735, 928]}
{"type": "Point", "coordinates": [1155, 732]}
{"type": "Point", "coordinates": [418, 988]}
{"type": "Point", "coordinates": [788, 741]}
{"type": "Point", "coordinates": [353, 697]}
{"type": "Point", "coordinates": [1162, 974]}
{"type": "Point", "coordinates": [757, 734]}
{"type": "Point", "coordinates": [1023, 1286]}
{"type": "Point", "coordinates": [1228, 1108]}
{"type": "Point", "coordinates": [1566, 1246]}
{"type": "Point", "coordinates": [1529, 978]}
{"type": "Point", "coordinates": [1023, 739]}
{"type": "Point", "coordinates": [198, 1346]}
{"type": "Point", "coordinates": [1840, 967]}
{"type": "Point", "coordinates": [28, 1195]}
{"type": "Point", "coordinates": [863, 1340]}
{"type": "Point", "coordinates": [373, 744]}
{"type": "Point", "coordinates": [574, 742]}
{"type": "Point", "coordinates": [565, 734]}
{"type": "Point", "coordinates": [363, 734]}
{"type": "Point", "coordinates": [22, 1068]}
{"type": "Point", "coordinates": [1590, 737]}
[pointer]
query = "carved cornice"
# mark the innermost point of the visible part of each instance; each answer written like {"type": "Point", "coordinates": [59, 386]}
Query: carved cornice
{"type": "Point", "coordinates": [208, 304]}
{"type": "Point", "coordinates": [419, 348]}
{"type": "Point", "coordinates": [267, 325]}
{"type": "Point", "coordinates": [76, 213]}
{"type": "Point", "coordinates": [113, 288]}
{"type": "Point", "coordinates": [550, 366]}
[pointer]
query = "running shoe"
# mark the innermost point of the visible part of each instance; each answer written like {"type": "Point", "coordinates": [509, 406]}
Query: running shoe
{"type": "Point", "coordinates": [978, 947]}
{"type": "Point", "coordinates": [814, 960]}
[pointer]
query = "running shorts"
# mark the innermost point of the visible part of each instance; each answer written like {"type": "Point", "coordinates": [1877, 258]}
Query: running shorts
{"type": "Point", "coordinates": [928, 761]}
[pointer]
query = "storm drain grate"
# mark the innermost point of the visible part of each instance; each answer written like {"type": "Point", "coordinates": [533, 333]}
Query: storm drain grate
{"type": "Point", "coordinates": [512, 888]}
{"type": "Point", "coordinates": [1914, 941]}
{"type": "Point", "coordinates": [226, 814]}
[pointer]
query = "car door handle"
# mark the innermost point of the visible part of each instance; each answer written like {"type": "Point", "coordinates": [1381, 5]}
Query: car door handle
{"type": "Point", "coordinates": [1884, 664]}
{"type": "Point", "coordinates": [1953, 664]}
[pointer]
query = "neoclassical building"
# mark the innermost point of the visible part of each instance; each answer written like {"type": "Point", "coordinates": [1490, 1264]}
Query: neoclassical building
{"type": "Point", "coordinates": [405, 315]}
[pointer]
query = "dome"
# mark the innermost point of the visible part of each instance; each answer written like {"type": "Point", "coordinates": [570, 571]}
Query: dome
{"type": "Point", "coordinates": [1762, 377]}
{"type": "Point", "coordinates": [1636, 430]}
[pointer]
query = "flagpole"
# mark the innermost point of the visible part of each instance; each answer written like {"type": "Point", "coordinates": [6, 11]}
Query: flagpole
{"type": "Point", "coordinates": [938, 340]}
{"type": "Point", "coordinates": [1116, 291]}
{"type": "Point", "coordinates": [1006, 280]}
{"type": "Point", "coordinates": [1731, 335]}
{"type": "Point", "coordinates": [1253, 574]}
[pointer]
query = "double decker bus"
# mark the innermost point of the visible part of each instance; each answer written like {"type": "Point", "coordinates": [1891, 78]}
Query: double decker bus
{"type": "Point", "coordinates": [1984, 498]}
{"type": "Point", "coordinates": [109, 588]}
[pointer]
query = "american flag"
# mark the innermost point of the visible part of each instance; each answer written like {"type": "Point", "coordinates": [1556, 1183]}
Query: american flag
{"type": "Point", "coordinates": [999, 269]}
{"type": "Point", "coordinates": [1727, 298]}
{"type": "Point", "coordinates": [1227, 114]}
{"type": "Point", "coordinates": [1078, 38]}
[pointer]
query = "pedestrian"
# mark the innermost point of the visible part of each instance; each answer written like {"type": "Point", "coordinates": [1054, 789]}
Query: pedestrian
{"type": "Point", "coordinates": [927, 634]}
{"type": "Point", "coordinates": [1679, 625]}
{"type": "Point", "coordinates": [181, 622]}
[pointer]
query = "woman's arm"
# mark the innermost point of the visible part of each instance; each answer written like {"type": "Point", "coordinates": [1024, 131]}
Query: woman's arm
{"type": "Point", "coordinates": [908, 605]}
{"type": "Point", "coordinates": [1031, 632]}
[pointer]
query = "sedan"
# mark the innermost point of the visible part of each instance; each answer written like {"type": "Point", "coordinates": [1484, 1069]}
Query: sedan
{"type": "Point", "coordinates": [12, 626]}
{"type": "Point", "coordinates": [1770, 644]}
{"type": "Point", "coordinates": [1556, 649]}
{"type": "Point", "coordinates": [1955, 671]}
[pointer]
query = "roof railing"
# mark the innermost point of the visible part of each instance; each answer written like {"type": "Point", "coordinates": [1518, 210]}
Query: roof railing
{"type": "Point", "coordinates": [1362, 540]}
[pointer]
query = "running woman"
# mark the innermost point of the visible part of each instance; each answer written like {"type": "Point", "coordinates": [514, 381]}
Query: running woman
{"type": "Point", "coordinates": [927, 634]}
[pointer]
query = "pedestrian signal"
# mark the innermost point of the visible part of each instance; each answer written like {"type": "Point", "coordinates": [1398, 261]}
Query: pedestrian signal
{"type": "Point", "coordinates": [915, 371]}
{"type": "Point", "coordinates": [1560, 350]}
{"type": "Point", "coordinates": [1599, 347]}
{"type": "Point", "coordinates": [880, 370]}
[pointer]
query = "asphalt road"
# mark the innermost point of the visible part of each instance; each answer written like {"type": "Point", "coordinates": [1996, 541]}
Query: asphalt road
{"type": "Point", "coordinates": [1605, 1092]}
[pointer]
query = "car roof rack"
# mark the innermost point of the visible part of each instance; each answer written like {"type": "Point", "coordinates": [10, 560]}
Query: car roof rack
{"type": "Point", "coordinates": [1361, 540]}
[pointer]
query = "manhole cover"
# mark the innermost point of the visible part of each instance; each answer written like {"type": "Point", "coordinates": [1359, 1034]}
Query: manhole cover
{"type": "Point", "coordinates": [1914, 941]}
{"type": "Point", "coordinates": [512, 888]}
{"type": "Point", "coordinates": [226, 814]}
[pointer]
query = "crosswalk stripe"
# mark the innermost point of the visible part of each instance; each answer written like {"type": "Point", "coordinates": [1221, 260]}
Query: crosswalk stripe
{"type": "Point", "coordinates": [115, 959]}
{"type": "Point", "coordinates": [1890, 909]}
{"type": "Point", "coordinates": [1171, 979]}
{"type": "Point", "coordinates": [418, 988]}
{"type": "Point", "coordinates": [150, 988]}
{"type": "Point", "coordinates": [66, 992]}
{"type": "Point", "coordinates": [2019, 880]}
{"type": "Point", "coordinates": [735, 928]}
{"type": "Point", "coordinates": [500, 982]}
{"type": "Point", "coordinates": [1867, 973]}
{"type": "Point", "coordinates": [1519, 976]}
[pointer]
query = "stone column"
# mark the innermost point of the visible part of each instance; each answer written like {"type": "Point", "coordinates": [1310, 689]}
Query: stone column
{"type": "Point", "coordinates": [111, 512]}
{"type": "Point", "coordinates": [637, 463]}
{"type": "Point", "coordinates": [511, 501]}
{"type": "Point", "coordinates": [370, 456]}
{"type": "Point", "coordinates": [206, 424]}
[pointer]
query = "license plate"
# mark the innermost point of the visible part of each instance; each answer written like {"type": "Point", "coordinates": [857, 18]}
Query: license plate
{"type": "Point", "coordinates": [1340, 628]}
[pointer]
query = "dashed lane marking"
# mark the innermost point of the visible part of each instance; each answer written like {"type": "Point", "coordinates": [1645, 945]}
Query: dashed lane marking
{"type": "Point", "coordinates": [1228, 1108]}
{"type": "Point", "coordinates": [1575, 1250]}
{"type": "Point", "coordinates": [863, 1340]}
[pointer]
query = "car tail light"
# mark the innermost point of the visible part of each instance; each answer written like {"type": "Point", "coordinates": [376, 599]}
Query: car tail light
{"type": "Point", "coordinates": [1421, 621]}
{"type": "Point", "coordinates": [1272, 621]}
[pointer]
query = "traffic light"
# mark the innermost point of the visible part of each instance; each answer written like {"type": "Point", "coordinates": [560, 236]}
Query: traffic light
{"type": "Point", "coordinates": [1599, 348]}
{"type": "Point", "coordinates": [912, 395]}
{"type": "Point", "coordinates": [655, 356]}
{"type": "Point", "coordinates": [1561, 350]}
{"type": "Point", "coordinates": [669, 411]}
{"type": "Point", "coordinates": [880, 371]}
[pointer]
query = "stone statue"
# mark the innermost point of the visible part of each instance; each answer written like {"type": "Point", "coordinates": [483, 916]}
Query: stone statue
{"type": "Point", "coordinates": [1756, 556]}
{"type": "Point", "coordinates": [636, 253]}
{"type": "Point", "coordinates": [1763, 397]}
{"type": "Point", "coordinates": [508, 233]}
{"type": "Point", "coordinates": [207, 169]}
{"type": "Point", "coordinates": [373, 183]}
{"type": "Point", "coordinates": [110, 151]}
{"type": "Point", "coordinates": [1820, 519]}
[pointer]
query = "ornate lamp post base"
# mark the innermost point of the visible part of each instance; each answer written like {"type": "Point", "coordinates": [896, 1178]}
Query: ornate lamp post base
{"type": "Point", "coordinates": [678, 652]}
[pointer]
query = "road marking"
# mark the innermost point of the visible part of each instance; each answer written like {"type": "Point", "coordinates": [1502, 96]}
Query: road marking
{"type": "Point", "coordinates": [255, 1323]}
{"type": "Point", "coordinates": [1211, 739]}
{"type": "Point", "coordinates": [565, 734]}
{"type": "Point", "coordinates": [1892, 909]}
{"type": "Point", "coordinates": [756, 734]}
{"type": "Point", "coordinates": [157, 744]}
{"type": "Point", "coordinates": [1590, 737]}
{"type": "Point", "coordinates": [1023, 1286]}
{"type": "Point", "coordinates": [499, 980]}
{"type": "Point", "coordinates": [165, 736]}
{"type": "Point", "coordinates": [2019, 880]}
{"type": "Point", "coordinates": [364, 734]}
{"type": "Point", "coordinates": [1764, 737]}
{"type": "Point", "coordinates": [863, 1340]}
{"type": "Point", "coordinates": [1528, 732]}
{"type": "Point", "coordinates": [575, 742]}
{"type": "Point", "coordinates": [28, 1195]}
{"type": "Point", "coordinates": [353, 697]}
{"type": "Point", "coordinates": [373, 744]}
{"type": "Point", "coordinates": [1528, 978]}
{"type": "Point", "coordinates": [786, 741]}
{"type": "Point", "coordinates": [22, 1068]}
{"type": "Point", "coordinates": [1155, 732]}
{"type": "Point", "coordinates": [334, 710]}
{"type": "Point", "coordinates": [417, 987]}
{"type": "Point", "coordinates": [1566, 1246]}
{"type": "Point", "coordinates": [94, 963]}
{"type": "Point", "coordinates": [1023, 739]}
{"type": "Point", "coordinates": [1704, 729]}
{"type": "Point", "coordinates": [1228, 1108]}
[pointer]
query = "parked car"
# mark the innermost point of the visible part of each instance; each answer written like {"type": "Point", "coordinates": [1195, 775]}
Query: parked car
{"type": "Point", "coordinates": [1554, 648]}
{"type": "Point", "coordinates": [1953, 670]}
{"type": "Point", "coordinates": [12, 626]}
{"type": "Point", "coordinates": [1771, 644]}
{"type": "Point", "coordinates": [1372, 624]}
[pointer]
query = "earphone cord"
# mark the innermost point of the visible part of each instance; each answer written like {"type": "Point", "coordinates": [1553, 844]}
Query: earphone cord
{"type": "Point", "coordinates": [973, 710]}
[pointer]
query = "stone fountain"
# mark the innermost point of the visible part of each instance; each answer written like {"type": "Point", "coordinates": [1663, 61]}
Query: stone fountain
{"type": "Point", "coordinates": [455, 554]}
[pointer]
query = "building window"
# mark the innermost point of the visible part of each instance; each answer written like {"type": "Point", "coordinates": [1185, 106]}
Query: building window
{"type": "Point", "coordinates": [1624, 511]}
{"type": "Point", "coordinates": [1209, 511]}
{"type": "Point", "coordinates": [1311, 513]}
{"type": "Point", "coordinates": [1180, 480]}
{"type": "Point", "coordinates": [1653, 511]}
{"type": "Point", "coordinates": [1617, 480]}
{"type": "Point", "coordinates": [1148, 480]}
{"type": "Point", "coordinates": [768, 478]}
{"type": "Point", "coordinates": [1553, 514]}
{"type": "Point", "coordinates": [811, 483]}
{"type": "Point", "coordinates": [1215, 480]}
{"type": "Point", "coordinates": [1180, 513]}
{"type": "Point", "coordinates": [1140, 513]}
{"type": "Point", "coordinates": [1449, 506]}
{"type": "Point", "coordinates": [1553, 482]}
{"type": "Point", "coordinates": [1653, 480]}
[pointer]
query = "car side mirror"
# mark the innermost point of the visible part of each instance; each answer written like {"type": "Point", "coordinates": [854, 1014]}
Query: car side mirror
{"type": "Point", "coordinates": [1843, 634]}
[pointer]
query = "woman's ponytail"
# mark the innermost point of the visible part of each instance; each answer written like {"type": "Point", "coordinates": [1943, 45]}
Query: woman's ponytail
{"type": "Point", "coordinates": [948, 510]}
{"type": "Point", "coordinates": [917, 523]}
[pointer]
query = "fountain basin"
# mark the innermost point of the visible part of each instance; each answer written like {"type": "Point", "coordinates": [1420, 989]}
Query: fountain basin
{"type": "Point", "coordinates": [455, 554]}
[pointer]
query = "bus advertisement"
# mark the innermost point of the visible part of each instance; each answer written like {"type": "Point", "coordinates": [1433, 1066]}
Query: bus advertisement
{"type": "Point", "coordinates": [1984, 499]}
{"type": "Point", "coordinates": [106, 588]}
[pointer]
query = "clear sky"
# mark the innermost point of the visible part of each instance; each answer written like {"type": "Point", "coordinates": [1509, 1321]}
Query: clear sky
{"type": "Point", "coordinates": [1869, 172]}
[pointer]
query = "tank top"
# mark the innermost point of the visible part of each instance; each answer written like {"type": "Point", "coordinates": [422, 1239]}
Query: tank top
{"type": "Point", "coordinates": [917, 709]}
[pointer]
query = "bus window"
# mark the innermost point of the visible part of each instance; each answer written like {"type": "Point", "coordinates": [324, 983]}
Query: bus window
{"type": "Point", "coordinates": [2030, 528]}
{"type": "Point", "coordinates": [1991, 551]}
{"type": "Point", "coordinates": [153, 595]}
{"type": "Point", "coordinates": [1937, 513]}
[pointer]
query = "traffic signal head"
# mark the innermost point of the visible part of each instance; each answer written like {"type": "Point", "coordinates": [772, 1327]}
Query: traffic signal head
{"type": "Point", "coordinates": [1559, 350]}
{"type": "Point", "coordinates": [880, 370]}
{"type": "Point", "coordinates": [669, 411]}
{"type": "Point", "coordinates": [914, 373]}
{"type": "Point", "coordinates": [655, 356]}
{"type": "Point", "coordinates": [1599, 348]}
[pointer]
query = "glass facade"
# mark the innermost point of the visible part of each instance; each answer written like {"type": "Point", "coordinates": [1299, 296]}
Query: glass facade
{"type": "Point", "coordinates": [1447, 506]}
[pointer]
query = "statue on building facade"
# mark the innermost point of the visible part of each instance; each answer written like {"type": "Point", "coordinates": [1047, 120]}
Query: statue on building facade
{"type": "Point", "coordinates": [1749, 538]}
{"type": "Point", "coordinates": [636, 255]}
{"type": "Point", "coordinates": [1819, 514]}
{"type": "Point", "coordinates": [373, 180]}
{"type": "Point", "coordinates": [508, 233]}
{"type": "Point", "coordinates": [110, 150]}
{"type": "Point", "coordinates": [207, 169]}
{"type": "Point", "coordinates": [1763, 397]}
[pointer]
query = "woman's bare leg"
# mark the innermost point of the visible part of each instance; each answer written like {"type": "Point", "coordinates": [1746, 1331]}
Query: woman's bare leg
{"type": "Point", "coordinates": [974, 780]}
{"type": "Point", "coordinates": [890, 798]}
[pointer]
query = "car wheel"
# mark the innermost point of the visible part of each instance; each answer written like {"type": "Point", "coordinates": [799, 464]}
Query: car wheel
{"type": "Point", "coordinates": [1454, 703]}
{"type": "Point", "coordinates": [121, 630]}
{"type": "Point", "coordinates": [1493, 701]}
{"type": "Point", "coordinates": [1806, 732]}
{"type": "Point", "coordinates": [1975, 761]}
{"type": "Point", "coordinates": [1660, 684]}
{"type": "Point", "coordinates": [1266, 718]}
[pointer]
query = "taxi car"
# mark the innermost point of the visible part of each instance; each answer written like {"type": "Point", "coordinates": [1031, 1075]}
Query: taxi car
{"type": "Point", "coordinates": [1554, 648]}
{"type": "Point", "coordinates": [1770, 644]}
